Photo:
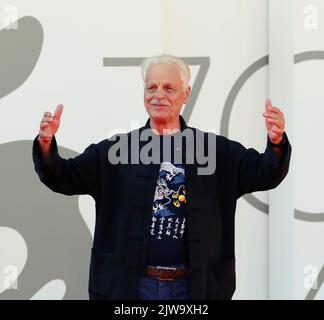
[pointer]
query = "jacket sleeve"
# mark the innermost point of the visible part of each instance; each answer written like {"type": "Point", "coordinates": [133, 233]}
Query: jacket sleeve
{"type": "Point", "coordinates": [72, 176]}
{"type": "Point", "coordinates": [260, 171]}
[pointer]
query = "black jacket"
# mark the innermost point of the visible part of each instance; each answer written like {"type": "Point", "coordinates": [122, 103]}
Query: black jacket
{"type": "Point", "coordinates": [124, 197]}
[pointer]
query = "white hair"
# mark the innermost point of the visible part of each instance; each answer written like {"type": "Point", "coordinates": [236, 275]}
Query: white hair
{"type": "Point", "coordinates": [168, 59]}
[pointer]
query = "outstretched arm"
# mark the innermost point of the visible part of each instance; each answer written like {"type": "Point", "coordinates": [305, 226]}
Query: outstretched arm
{"type": "Point", "coordinates": [72, 176]}
{"type": "Point", "coordinates": [262, 171]}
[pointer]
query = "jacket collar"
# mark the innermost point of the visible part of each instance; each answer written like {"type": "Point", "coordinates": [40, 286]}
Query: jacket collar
{"type": "Point", "coordinates": [183, 124]}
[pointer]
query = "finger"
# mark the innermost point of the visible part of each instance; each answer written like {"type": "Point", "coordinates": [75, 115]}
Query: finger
{"type": "Point", "coordinates": [47, 114]}
{"type": "Point", "coordinates": [44, 125]}
{"type": "Point", "coordinates": [45, 134]}
{"type": "Point", "coordinates": [271, 115]}
{"type": "Point", "coordinates": [275, 133]}
{"type": "Point", "coordinates": [277, 130]}
{"type": "Point", "coordinates": [58, 112]}
{"type": "Point", "coordinates": [277, 122]}
{"type": "Point", "coordinates": [272, 108]}
{"type": "Point", "coordinates": [47, 119]}
{"type": "Point", "coordinates": [44, 139]}
{"type": "Point", "coordinates": [275, 110]}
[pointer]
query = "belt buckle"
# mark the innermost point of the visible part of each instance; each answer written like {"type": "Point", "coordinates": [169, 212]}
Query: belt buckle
{"type": "Point", "coordinates": [164, 268]}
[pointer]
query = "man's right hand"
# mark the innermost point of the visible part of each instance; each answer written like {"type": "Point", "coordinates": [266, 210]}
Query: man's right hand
{"type": "Point", "coordinates": [48, 127]}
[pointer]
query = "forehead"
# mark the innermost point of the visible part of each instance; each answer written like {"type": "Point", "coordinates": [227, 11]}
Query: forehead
{"type": "Point", "coordinates": [164, 73]}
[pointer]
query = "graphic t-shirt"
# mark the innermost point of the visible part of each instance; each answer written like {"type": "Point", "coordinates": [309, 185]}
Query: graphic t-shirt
{"type": "Point", "coordinates": [167, 245]}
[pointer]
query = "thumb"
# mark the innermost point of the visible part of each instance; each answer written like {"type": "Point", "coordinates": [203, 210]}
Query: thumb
{"type": "Point", "coordinates": [58, 112]}
{"type": "Point", "coordinates": [268, 103]}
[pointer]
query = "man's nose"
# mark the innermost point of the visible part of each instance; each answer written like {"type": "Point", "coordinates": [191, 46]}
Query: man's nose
{"type": "Point", "coordinates": [159, 94]}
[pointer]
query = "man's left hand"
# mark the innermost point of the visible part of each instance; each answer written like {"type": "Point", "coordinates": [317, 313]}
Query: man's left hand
{"type": "Point", "coordinates": [275, 122]}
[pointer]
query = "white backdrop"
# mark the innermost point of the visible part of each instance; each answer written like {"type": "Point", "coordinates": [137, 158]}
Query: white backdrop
{"type": "Point", "coordinates": [77, 36]}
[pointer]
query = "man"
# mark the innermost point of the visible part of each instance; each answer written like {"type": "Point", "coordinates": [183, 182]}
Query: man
{"type": "Point", "coordinates": [164, 229]}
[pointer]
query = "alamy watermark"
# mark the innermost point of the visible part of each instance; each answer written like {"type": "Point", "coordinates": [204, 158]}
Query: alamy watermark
{"type": "Point", "coordinates": [182, 147]}
{"type": "Point", "coordinates": [10, 279]}
{"type": "Point", "coordinates": [311, 278]}
{"type": "Point", "coordinates": [10, 14]}
{"type": "Point", "coordinates": [311, 17]}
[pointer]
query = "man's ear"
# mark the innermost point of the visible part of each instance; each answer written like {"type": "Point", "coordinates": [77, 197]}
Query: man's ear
{"type": "Point", "coordinates": [187, 94]}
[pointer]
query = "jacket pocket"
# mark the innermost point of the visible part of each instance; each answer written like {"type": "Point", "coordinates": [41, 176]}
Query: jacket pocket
{"type": "Point", "coordinates": [102, 269]}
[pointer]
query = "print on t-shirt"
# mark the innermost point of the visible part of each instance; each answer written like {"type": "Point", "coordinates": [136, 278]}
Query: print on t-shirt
{"type": "Point", "coordinates": [168, 218]}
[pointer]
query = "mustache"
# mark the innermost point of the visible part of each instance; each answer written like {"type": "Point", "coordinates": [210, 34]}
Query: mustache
{"type": "Point", "coordinates": [158, 103]}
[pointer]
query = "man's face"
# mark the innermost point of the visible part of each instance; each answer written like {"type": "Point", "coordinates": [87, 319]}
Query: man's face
{"type": "Point", "coordinates": [163, 93]}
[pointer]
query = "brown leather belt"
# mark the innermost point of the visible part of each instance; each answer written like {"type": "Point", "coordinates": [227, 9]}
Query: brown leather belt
{"type": "Point", "coordinates": [167, 273]}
